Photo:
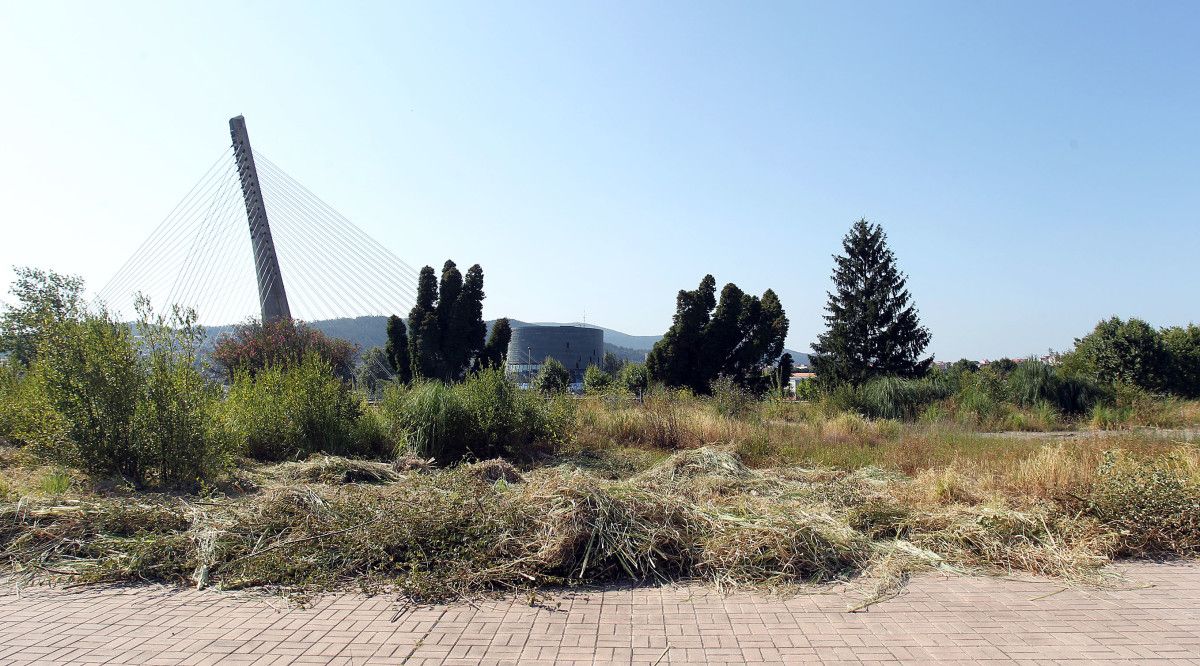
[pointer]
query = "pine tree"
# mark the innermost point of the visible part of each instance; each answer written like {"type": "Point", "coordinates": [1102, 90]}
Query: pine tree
{"type": "Point", "coordinates": [396, 350]}
{"type": "Point", "coordinates": [873, 328]}
{"type": "Point", "coordinates": [496, 347]}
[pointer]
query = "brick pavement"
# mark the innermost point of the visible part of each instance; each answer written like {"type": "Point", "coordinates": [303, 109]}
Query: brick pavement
{"type": "Point", "coordinates": [1154, 616]}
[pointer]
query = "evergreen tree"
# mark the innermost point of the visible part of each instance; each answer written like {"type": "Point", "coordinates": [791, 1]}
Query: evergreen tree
{"type": "Point", "coordinates": [784, 373]}
{"type": "Point", "coordinates": [496, 347]}
{"type": "Point", "coordinates": [552, 377]}
{"type": "Point", "coordinates": [424, 348]}
{"type": "Point", "coordinates": [873, 328]}
{"type": "Point", "coordinates": [445, 327]}
{"type": "Point", "coordinates": [396, 350]}
{"type": "Point", "coordinates": [739, 339]}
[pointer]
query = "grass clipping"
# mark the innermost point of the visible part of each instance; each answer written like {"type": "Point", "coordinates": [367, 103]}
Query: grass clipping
{"type": "Point", "coordinates": [698, 515]}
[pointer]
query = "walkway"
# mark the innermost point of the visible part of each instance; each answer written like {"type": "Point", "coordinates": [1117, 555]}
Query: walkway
{"type": "Point", "coordinates": [1155, 616]}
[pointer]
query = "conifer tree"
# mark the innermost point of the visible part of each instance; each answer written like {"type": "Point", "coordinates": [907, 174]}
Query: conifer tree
{"type": "Point", "coordinates": [496, 347]}
{"type": "Point", "coordinates": [396, 350]}
{"type": "Point", "coordinates": [873, 328]}
{"type": "Point", "coordinates": [739, 339]}
{"type": "Point", "coordinates": [445, 327]}
{"type": "Point", "coordinates": [424, 348]}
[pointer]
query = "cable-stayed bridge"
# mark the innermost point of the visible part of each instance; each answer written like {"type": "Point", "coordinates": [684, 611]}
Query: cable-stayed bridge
{"type": "Point", "coordinates": [301, 258]}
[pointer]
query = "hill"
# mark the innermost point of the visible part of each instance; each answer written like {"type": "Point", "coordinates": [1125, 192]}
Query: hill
{"type": "Point", "coordinates": [367, 332]}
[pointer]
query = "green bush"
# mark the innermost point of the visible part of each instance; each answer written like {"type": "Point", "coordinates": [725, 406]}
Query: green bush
{"type": "Point", "coordinates": [596, 380]}
{"type": "Point", "coordinates": [1032, 382]}
{"type": "Point", "coordinates": [26, 415]}
{"type": "Point", "coordinates": [1153, 506]}
{"type": "Point", "coordinates": [115, 404]}
{"type": "Point", "coordinates": [896, 398]}
{"type": "Point", "coordinates": [552, 378]}
{"type": "Point", "coordinates": [290, 413]}
{"type": "Point", "coordinates": [730, 399]}
{"type": "Point", "coordinates": [485, 416]}
{"type": "Point", "coordinates": [635, 378]}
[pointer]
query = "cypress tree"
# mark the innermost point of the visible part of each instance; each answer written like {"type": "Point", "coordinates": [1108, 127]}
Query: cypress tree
{"type": "Point", "coordinates": [446, 329]}
{"type": "Point", "coordinates": [739, 339]}
{"type": "Point", "coordinates": [496, 347]}
{"type": "Point", "coordinates": [424, 343]}
{"type": "Point", "coordinates": [396, 350]}
{"type": "Point", "coordinates": [873, 328]}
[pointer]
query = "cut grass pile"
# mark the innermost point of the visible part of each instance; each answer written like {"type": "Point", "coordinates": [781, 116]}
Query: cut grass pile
{"type": "Point", "coordinates": [696, 515]}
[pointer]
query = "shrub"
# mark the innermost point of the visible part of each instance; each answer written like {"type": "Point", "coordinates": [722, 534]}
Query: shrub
{"type": "Point", "coordinates": [596, 380]}
{"type": "Point", "coordinates": [896, 398]}
{"type": "Point", "coordinates": [552, 378]}
{"type": "Point", "coordinates": [635, 378]}
{"type": "Point", "coordinates": [174, 422]}
{"type": "Point", "coordinates": [93, 377]}
{"type": "Point", "coordinates": [141, 409]}
{"type": "Point", "coordinates": [484, 416]}
{"type": "Point", "coordinates": [730, 399]}
{"type": "Point", "coordinates": [254, 346]}
{"type": "Point", "coordinates": [1129, 352]}
{"type": "Point", "coordinates": [284, 413]}
{"type": "Point", "coordinates": [1154, 506]}
{"type": "Point", "coordinates": [1033, 382]}
{"type": "Point", "coordinates": [26, 415]}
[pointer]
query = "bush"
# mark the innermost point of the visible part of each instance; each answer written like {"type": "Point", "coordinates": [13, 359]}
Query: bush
{"type": "Point", "coordinates": [552, 378]}
{"type": "Point", "coordinates": [93, 377]}
{"type": "Point", "coordinates": [254, 346]}
{"type": "Point", "coordinates": [1154, 506]}
{"type": "Point", "coordinates": [141, 409]}
{"type": "Point", "coordinates": [896, 398]}
{"type": "Point", "coordinates": [730, 399]}
{"type": "Point", "coordinates": [596, 380]}
{"type": "Point", "coordinates": [1126, 352]}
{"type": "Point", "coordinates": [174, 423]}
{"type": "Point", "coordinates": [635, 378]}
{"type": "Point", "coordinates": [26, 415]}
{"type": "Point", "coordinates": [484, 416]}
{"type": "Point", "coordinates": [287, 413]}
{"type": "Point", "coordinates": [1033, 382]}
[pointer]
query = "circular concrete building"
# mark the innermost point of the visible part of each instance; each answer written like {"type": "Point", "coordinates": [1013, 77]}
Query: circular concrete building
{"type": "Point", "coordinates": [576, 347]}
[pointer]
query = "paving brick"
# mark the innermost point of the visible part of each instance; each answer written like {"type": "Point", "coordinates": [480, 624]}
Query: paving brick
{"type": "Point", "coordinates": [938, 618]}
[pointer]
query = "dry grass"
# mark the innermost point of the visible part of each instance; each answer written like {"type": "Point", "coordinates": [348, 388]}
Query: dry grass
{"type": "Point", "coordinates": [776, 497]}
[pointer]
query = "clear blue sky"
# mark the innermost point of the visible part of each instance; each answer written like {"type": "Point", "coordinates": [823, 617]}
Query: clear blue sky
{"type": "Point", "coordinates": [1036, 165]}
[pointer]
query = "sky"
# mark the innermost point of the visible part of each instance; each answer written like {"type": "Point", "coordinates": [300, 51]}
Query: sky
{"type": "Point", "coordinates": [1036, 165]}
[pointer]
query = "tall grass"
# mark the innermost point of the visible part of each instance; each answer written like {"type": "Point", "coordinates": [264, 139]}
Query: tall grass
{"type": "Point", "coordinates": [485, 416]}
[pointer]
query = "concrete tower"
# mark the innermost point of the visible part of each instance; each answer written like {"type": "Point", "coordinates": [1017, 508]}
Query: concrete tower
{"type": "Point", "coordinates": [271, 295]}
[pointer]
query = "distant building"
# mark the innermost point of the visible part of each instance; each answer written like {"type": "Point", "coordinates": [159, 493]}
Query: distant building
{"type": "Point", "coordinates": [798, 378]}
{"type": "Point", "coordinates": [576, 347]}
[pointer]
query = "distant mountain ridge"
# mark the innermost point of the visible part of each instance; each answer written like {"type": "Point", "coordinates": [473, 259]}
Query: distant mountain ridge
{"type": "Point", "coordinates": [367, 332]}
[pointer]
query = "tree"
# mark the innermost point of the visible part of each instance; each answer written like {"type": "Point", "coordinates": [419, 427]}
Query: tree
{"type": "Point", "coordinates": [496, 347]}
{"type": "Point", "coordinates": [1183, 348]}
{"type": "Point", "coordinates": [445, 327]}
{"type": "Point", "coordinates": [253, 346]}
{"type": "Point", "coordinates": [1123, 352]}
{"type": "Point", "coordinates": [784, 373]}
{"type": "Point", "coordinates": [873, 328]}
{"type": "Point", "coordinates": [552, 378]}
{"type": "Point", "coordinates": [596, 380]}
{"type": "Point", "coordinates": [423, 330]}
{"type": "Point", "coordinates": [43, 298]}
{"type": "Point", "coordinates": [395, 352]}
{"type": "Point", "coordinates": [738, 337]}
{"type": "Point", "coordinates": [374, 368]}
{"type": "Point", "coordinates": [635, 378]}
{"type": "Point", "coordinates": [612, 364]}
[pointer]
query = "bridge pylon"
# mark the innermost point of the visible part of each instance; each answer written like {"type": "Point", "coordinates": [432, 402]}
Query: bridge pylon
{"type": "Point", "coordinates": [271, 295]}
